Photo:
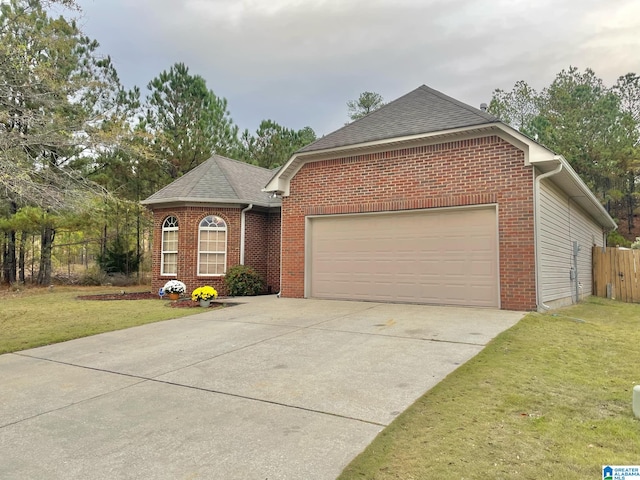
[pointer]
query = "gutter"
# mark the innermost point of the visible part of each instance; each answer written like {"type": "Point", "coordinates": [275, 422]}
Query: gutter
{"type": "Point", "coordinates": [242, 231]}
{"type": "Point", "coordinates": [536, 194]}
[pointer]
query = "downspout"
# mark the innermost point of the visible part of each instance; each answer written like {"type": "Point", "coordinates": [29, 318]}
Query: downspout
{"type": "Point", "coordinates": [242, 231]}
{"type": "Point", "coordinates": [536, 193]}
{"type": "Point", "coordinates": [281, 237]}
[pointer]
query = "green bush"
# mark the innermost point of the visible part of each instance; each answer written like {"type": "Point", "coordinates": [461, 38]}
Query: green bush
{"type": "Point", "coordinates": [119, 258]}
{"type": "Point", "coordinates": [243, 281]}
{"type": "Point", "coordinates": [615, 239]}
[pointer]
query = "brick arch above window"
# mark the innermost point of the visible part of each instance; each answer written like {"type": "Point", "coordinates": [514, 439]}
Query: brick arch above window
{"type": "Point", "coordinates": [213, 221]}
{"type": "Point", "coordinates": [218, 215]}
{"type": "Point", "coordinates": [170, 221]}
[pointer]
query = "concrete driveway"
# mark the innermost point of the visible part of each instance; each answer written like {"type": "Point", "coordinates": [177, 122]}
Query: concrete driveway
{"type": "Point", "coordinates": [268, 389]}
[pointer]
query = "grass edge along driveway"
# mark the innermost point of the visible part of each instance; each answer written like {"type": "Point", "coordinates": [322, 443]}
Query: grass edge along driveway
{"type": "Point", "coordinates": [548, 398]}
{"type": "Point", "coordinates": [35, 317]}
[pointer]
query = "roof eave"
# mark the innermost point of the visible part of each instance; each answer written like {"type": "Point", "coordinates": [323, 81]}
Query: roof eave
{"type": "Point", "coordinates": [280, 182]}
{"type": "Point", "coordinates": [538, 155]}
{"type": "Point", "coordinates": [577, 190]}
{"type": "Point", "coordinates": [534, 154]}
{"type": "Point", "coordinates": [160, 202]}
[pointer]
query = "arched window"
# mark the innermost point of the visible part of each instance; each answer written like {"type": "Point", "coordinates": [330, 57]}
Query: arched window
{"type": "Point", "coordinates": [169, 257]}
{"type": "Point", "coordinates": [212, 246]}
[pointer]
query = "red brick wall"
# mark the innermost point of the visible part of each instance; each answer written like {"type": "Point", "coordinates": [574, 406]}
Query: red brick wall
{"type": "Point", "coordinates": [188, 221]}
{"type": "Point", "coordinates": [262, 238]}
{"type": "Point", "coordinates": [256, 250]}
{"type": "Point", "coordinates": [262, 247]}
{"type": "Point", "coordinates": [273, 252]}
{"type": "Point", "coordinates": [467, 172]}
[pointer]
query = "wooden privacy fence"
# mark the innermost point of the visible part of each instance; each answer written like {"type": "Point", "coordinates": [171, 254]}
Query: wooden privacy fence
{"type": "Point", "coordinates": [616, 274]}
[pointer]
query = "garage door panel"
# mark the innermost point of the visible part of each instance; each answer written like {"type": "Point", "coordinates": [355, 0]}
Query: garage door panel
{"type": "Point", "coordinates": [443, 256]}
{"type": "Point", "coordinates": [480, 269]}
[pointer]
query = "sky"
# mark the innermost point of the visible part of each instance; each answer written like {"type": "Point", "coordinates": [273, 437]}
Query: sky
{"type": "Point", "coordinates": [298, 62]}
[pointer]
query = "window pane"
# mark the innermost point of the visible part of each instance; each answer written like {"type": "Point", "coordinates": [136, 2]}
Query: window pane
{"type": "Point", "coordinates": [212, 263]}
{"type": "Point", "coordinates": [212, 241]}
{"type": "Point", "coordinates": [170, 263]}
{"type": "Point", "coordinates": [204, 266]}
{"type": "Point", "coordinates": [170, 241]}
{"type": "Point", "coordinates": [212, 246]}
{"type": "Point", "coordinates": [170, 246]}
{"type": "Point", "coordinates": [220, 266]}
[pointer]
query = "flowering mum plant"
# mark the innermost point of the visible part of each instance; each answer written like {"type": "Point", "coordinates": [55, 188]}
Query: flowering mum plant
{"type": "Point", "coordinates": [204, 293]}
{"type": "Point", "coordinates": [174, 286]}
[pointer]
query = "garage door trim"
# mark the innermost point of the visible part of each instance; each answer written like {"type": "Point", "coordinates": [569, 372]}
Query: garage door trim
{"type": "Point", "coordinates": [308, 237]}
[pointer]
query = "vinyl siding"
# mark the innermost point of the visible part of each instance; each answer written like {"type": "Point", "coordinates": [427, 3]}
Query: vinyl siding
{"type": "Point", "coordinates": [562, 222]}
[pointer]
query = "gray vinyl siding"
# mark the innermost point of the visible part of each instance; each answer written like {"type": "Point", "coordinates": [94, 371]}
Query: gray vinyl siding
{"type": "Point", "coordinates": [562, 221]}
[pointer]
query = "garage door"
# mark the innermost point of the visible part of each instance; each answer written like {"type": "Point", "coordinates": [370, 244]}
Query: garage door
{"type": "Point", "coordinates": [445, 256]}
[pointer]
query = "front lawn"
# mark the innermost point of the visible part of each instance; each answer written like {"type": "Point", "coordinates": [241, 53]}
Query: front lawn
{"type": "Point", "coordinates": [34, 317]}
{"type": "Point", "coordinates": [549, 398]}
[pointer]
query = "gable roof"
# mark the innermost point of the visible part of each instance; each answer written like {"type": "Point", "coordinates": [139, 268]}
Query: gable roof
{"type": "Point", "coordinates": [218, 180]}
{"type": "Point", "coordinates": [423, 110]}
{"type": "Point", "coordinates": [426, 115]}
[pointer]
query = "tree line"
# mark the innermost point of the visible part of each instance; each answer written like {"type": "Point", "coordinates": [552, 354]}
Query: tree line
{"type": "Point", "coordinates": [594, 126]}
{"type": "Point", "coordinates": [78, 151]}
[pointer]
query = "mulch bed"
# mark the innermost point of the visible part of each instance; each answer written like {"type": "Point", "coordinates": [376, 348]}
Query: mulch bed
{"type": "Point", "coordinates": [182, 303]}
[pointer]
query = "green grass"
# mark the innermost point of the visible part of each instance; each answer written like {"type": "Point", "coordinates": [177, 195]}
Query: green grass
{"type": "Point", "coordinates": [35, 317]}
{"type": "Point", "coordinates": [549, 398]}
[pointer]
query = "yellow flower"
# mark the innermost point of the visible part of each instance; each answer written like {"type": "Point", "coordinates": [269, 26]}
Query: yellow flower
{"type": "Point", "coordinates": [204, 293]}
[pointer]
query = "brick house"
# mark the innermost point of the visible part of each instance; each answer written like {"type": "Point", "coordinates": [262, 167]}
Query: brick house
{"type": "Point", "coordinates": [426, 200]}
{"type": "Point", "coordinates": [212, 218]}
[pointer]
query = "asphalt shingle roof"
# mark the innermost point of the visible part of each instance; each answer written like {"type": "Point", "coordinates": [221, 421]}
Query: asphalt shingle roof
{"type": "Point", "coordinates": [423, 110]}
{"type": "Point", "coordinates": [219, 180]}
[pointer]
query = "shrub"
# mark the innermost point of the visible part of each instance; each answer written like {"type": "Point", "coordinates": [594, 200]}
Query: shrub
{"type": "Point", "coordinates": [615, 238]}
{"type": "Point", "coordinates": [94, 276]}
{"type": "Point", "coordinates": [118, 258]}
{"type": "Point", "coordinates": [243, 281]}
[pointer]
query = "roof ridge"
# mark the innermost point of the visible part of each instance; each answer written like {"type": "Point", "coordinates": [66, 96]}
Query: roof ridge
{"type": "Point", "coordinates": [240, 162]}
{"type": "Point", "coordinates": [223, 170]}
{"type": "Point", "coordinates": [206, 166]}
{"type": "Point", "coordinates": [168, 185]}
{"type": "Point", "coordinates": [420, 111]}
{"type": "Point", "coordinates": [447, 98]}
{"type": "Point", "coordinates": [346, 125]}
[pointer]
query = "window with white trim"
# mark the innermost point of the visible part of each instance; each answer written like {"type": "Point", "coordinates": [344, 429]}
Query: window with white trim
{"type": "Point", "coordinates": [169, 257]}
{"type": "Point", "coordinates": [212, 246]}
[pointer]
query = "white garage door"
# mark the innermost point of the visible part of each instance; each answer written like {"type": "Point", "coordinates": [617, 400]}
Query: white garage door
{"type": "Point", "coordinates": [445, 256]}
